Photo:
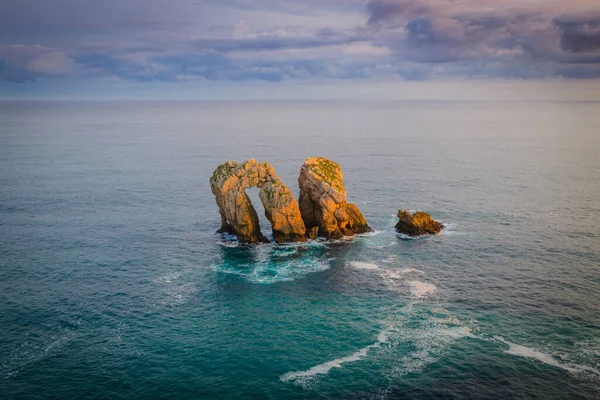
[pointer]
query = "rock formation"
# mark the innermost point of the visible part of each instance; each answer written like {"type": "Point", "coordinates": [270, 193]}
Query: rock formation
{"type": "Point", "coordinates": [417, 224]}
{"type": "Point", "coordinates": [239, 217]}
{"type": "Point", "coordinates": [323, 201]}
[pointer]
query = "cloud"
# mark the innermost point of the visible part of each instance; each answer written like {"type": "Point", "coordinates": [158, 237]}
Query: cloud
{"type": "Point", "coordinates": [218, 67]}
{"type": "Point", "coordinates": [523, 39]}
{"type": "Point", "coordinates": [386, 11]}
{"type": "Point", "coordinates": [24, 62]}
{"type": "Point", "coordinates": [269, 42]}
{"type": "Point", "coordinates": [579, 33]}
{"type": "Point", "coordinates": [278, 40]}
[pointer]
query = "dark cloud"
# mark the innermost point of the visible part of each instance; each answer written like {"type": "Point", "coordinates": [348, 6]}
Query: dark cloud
{"type": "Point", "coordinates": [579, 71]}
{"type": "Point", "coordinates": [579, 34]}
{"type": "Point", "coordinates": [491, 39]}
{"type": "Point", "coordinates": [15, 75]}
{"type": "Point", "coordinates": [386, 11]}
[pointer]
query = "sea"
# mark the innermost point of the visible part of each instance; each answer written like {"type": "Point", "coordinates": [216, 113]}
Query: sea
{"type": "Point", "coordinates": [114, 284]}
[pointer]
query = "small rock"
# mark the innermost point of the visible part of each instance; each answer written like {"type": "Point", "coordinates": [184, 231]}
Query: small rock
{"type": "Point", "coordinates": [417, 224]}
{"type": "Point", "coordinates": [313, 232]}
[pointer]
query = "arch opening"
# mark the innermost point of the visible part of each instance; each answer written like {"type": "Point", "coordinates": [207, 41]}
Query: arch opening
{"type": "Point", "coordinates": [264, 225]}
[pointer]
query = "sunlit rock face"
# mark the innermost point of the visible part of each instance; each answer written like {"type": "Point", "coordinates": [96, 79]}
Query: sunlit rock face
{"type": "Point", "coordinates": [239, 217]}
{"type": "Point", "coordinates": [417, 224]}
{"type": "Point", "coordinates": [323, 201]}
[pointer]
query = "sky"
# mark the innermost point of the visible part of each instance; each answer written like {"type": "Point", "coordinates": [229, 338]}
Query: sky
{"type": "Point", "coordinates": [296, 48]}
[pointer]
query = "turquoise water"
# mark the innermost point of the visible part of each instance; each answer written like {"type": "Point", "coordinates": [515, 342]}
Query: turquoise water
{"type": "Point", "coordinates": [114, 285]}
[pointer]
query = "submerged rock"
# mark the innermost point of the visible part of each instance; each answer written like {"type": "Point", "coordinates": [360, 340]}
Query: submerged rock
{"type": "Point", "coordinates": [238, 216]}
{"type": "Point", "coordinates": [417, 224]}
{"type": "Point", "coordinates": [323, 201]}
{"type": "Point", "coordinates": [312, 233]}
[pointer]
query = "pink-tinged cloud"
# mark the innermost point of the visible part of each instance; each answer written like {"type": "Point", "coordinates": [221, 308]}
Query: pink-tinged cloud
{"type": "Point", "coordinates": [276, 40]}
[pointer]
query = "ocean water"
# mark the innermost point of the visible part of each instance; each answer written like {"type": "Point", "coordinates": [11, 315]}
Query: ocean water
{"type": "Point", "coordinates": [113, 284]}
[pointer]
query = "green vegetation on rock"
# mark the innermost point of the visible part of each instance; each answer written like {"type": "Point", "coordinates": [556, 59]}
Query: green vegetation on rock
{"type": "Point", "coordinates": [223, 171]}
{"type": "Point", "coordinates": [329, 171]}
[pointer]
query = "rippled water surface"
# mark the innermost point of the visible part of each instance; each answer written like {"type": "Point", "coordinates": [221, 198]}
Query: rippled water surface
{"type": "Point", "coordinates": [114, 285]}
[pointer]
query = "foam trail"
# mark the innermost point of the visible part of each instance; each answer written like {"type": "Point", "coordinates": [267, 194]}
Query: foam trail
{"type": "Point", "coordinates": [386, 273]}
{"type": "Point", "coordinates": [301, 377]}
{"type": "Point", "coordinates": [421, 289]}
{"type": "Point", "coordinates": [527, 352]}
{"type": "Point", "coordinates": [400, 274]}
{"type": "Point", "coordinates": [228, 244]}
{"type": "Point", "coordinates": [390, 277]}
{"type": "Point", "coordinates": [362, 265]}
{"type": "Point", "coordinates": [458, 332]}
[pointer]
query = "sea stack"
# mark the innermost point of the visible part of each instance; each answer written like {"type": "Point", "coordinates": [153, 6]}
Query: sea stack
{"type": "Point", "coordinates": [238, 216]}
{"type": "Point", "coordinates": [417, 224]}
{"type": "Point", "coordinates": [323, 201]}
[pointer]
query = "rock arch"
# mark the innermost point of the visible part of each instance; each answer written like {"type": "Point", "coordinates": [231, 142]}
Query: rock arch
{"type": "Point", "coordinates": [238, 216]}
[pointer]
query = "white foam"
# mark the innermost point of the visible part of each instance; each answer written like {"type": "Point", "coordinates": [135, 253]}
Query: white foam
{"type": "Point", "coordinates": [425, 337]}
{"type": "Point", "coordinates": [391, 277]}
{"type": "Point", "coordinates": [33, 351]}
{"type": "Point", "coordinates": [528, 352]}
{"type": "Point", "coordinates": [309, 243]}
{"type": "Point", "coordinates": [174, 293]}
{"type": "Point", "coordinates": [301, 377]}
{"type": "Point", "coordinates": [232, 241]}
{"type": "Point", "coordinates": [385, 273]}
{"type": "Point", "coordinates": [345, 239]}
{"type": "Point", "coordinates": [400, 274]}
{"type": "Point", "coordinates": [286, 252]}
{"type": "Point", "coordinates": [383, 246]}
{"type": "Point", "coordinates": [450, 320]}
{"type": "Point", "coordinates": [458, 332]}
{"type": "Point", "coordinates": [408, 237]}
{"type": "Point", "coordinates": [267, 271]}
{"type": "Point", "coordinates": [362, 265]}
{"type": "Point", "coordinates": [228, 243]}
{"type": "Point", "coordinates": [372, 233]}
{"type": "Point", "coordinates": [168, 278]}
{"type": "Point", "coordinates": [177, 294]}
{"type": "Point", "coordinates": [421, 289]}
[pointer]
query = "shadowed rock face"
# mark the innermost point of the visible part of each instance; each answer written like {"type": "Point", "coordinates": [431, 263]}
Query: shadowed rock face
{"type": "Point", "coordinates": [417, 224]}
{"type": "Point", "coordinates": [239, 217]}
{"type": "Point", "coordinates": [323, 201]}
